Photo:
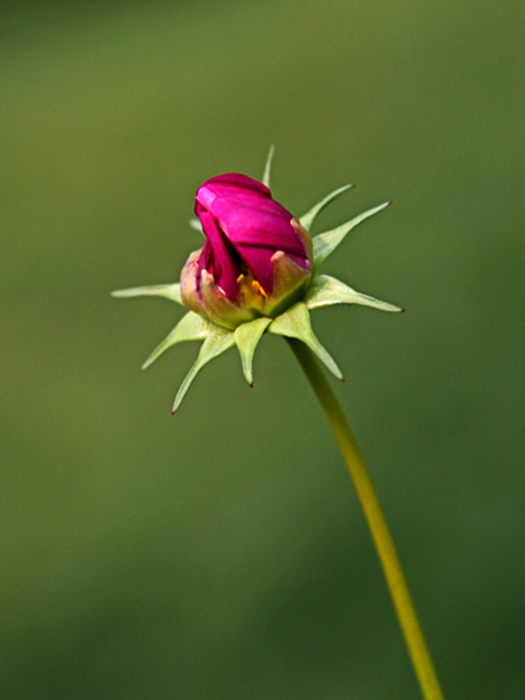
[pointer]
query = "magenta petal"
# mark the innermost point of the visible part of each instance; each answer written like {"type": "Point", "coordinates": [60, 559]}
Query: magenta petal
{"type": "Point", "coordinates": [259, 261]}
{"type": "Point", "coordinates": [253, 227]}
{"type": "Point", "coordinates": [242, 182]}
{"type": "Point", "coordinates": [218, 256]}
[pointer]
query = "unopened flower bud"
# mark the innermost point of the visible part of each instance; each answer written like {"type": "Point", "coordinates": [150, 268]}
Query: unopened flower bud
{"type": "Point", "coordinates": [258, 272]}
{"type": "Point", "coordinates": [257, 259]}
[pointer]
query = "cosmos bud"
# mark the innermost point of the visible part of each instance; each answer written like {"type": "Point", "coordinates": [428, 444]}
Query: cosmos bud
{"type": "Point", "coordinates": [257, 259]}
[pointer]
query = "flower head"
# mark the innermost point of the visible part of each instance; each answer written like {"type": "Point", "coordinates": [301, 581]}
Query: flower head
{"type": "Point", "coordinates": [257, 272]}
{"type": "Point", "coordinates": [256, 257]}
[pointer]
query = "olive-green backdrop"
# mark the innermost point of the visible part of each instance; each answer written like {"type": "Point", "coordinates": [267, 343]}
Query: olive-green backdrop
{"type": "Point", "coordinates": [221, 553]}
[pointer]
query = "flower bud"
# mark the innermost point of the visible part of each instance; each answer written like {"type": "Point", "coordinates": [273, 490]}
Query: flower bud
{"type": "Point", "coordinates": [258, 272]}
{"type": "Point", "coordinates": [257, 259]}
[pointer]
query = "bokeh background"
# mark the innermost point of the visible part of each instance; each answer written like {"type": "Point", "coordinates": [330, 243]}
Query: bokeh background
{"type": "Point", "coordinates": [222, 553]}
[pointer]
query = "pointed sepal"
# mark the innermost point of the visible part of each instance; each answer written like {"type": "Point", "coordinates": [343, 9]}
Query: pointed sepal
{"type": "Point", "coordinates": [308, 218]}
{"type": "Point", "coordinates": [168, 291]}
{"type": "Point", "coordinates": [325, 243]}
{"type": "Point", "coordinates": [268, 167]}
{"type": "Point", "coordinates": [215, 344]}
{"type": "Point", "coordinates": [326, 291]}
{"type": "Point", "coordinates": [196, 225]}
{"type": "Point", "coordinates": [192, 326]}
{"type": "Point", "coordinates": [295, 323]}
{"type": "Point", "coordinates": [247, 335]}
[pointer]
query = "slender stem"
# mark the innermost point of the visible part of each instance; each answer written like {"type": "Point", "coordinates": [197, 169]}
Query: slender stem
{"type": "Point", "coordinates": [386, 550]}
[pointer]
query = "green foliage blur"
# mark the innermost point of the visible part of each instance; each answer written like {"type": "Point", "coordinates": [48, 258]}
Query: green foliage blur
{"type": "Point", "coordinates": [221, 553]}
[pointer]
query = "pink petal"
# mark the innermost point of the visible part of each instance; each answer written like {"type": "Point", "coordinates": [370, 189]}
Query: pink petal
{"type": "Point", "coordinates": [218, 256]}
{"type": "Point", "coordinates": [259, 261]}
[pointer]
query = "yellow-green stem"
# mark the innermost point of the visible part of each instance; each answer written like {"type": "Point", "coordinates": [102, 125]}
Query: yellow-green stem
{"type": "Point", "coordinates": [386, 550]}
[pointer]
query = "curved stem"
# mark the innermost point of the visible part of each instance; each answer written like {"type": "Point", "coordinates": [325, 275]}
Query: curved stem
{"type": "Point", "coordinates": [386, 550]}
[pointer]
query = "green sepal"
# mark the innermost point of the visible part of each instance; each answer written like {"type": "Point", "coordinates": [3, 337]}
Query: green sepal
{"type": "Point", "coordinates": [325, 243]}
{"type": "Point", "coordinates": [215, 344]}
{"type": "Point", "coordinates": [192, 326]}
{"type": "Point", "coordinates": [247, 335]}
{"type": "Point", "coordinates": [308, 218]}
{"type": "Point", "coordinates": [168, 291]}
{"type": "Point", "coordinates": [325, 291]}
{"type": "Point", "coordinates": [268, 167]}
{"type": "Point", "coordinates": [295, 323]}
{"type": "Point", "coordinates": [196, 225]}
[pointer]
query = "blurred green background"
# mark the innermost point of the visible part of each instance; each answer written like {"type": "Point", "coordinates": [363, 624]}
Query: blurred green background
{"type": "Point", "coordinates": [222, 553]}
